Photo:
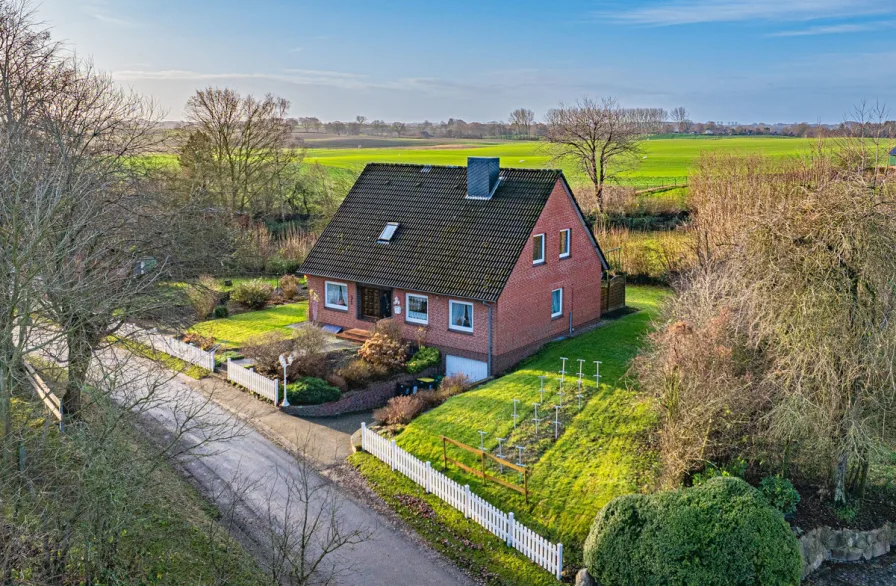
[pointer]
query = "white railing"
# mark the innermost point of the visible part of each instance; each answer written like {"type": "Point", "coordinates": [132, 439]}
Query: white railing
{"type": "Point", "coordinates": [535, 547]}
{"type": "Point", "coordinates": [253, 381]}
{"type": "Point", "coordinates": [178, 349]}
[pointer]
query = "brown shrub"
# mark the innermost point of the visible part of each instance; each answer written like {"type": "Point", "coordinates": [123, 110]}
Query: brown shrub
{"type": "Point", "coordinates": [266, 349]}
{"type": "Point", "coordinates": [337, 381]}
{"type": "Point", "coordinates": [453, 385]}
{"type": "Point", "coordinates": [359, 373]}
{"type": "Point", "coordinates": [203, 298]}
{"type": "Point", "coordinates": [385, 348]}
{"type": "Point", "coordinates": [203, 342]}
{"type": "Point", "coordinates": [389, 328]}
{"type": "Point", "coordinates": [430, 398]}
{"type": "Point", "coordinates": [399, 410]}
{"type": "Point", "coordinates": [289, 286]}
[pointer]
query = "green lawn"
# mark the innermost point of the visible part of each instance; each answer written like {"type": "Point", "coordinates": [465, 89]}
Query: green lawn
{"type": "Point", "coordinates": [602, 452]}
{"type": "Point", "coordinates": [233, 331]}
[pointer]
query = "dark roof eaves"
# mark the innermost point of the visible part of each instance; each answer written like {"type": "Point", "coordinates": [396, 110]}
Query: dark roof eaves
{"type": "Point", "coordinates": [394, 286]}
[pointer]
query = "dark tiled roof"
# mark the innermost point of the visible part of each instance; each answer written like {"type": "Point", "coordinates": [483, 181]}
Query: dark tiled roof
{"type": "Point", "coordinates": [446, 244]}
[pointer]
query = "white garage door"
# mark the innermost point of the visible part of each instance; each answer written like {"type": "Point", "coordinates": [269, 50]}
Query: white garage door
{"type": "Point", "coordinates": [476, 370]}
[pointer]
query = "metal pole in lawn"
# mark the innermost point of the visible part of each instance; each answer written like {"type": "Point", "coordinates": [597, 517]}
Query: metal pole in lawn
{"type": "Point", "coordinates": [556, 422]}
{"type": "Point", "coordinates": [536, 419]}
{"type": "Point", "coordinates": [515, 401]}
{"type": "Point", "coordinates": [501, 441]}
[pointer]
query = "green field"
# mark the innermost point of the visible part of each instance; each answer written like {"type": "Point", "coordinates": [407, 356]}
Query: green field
{"type": "Point", "coordinates": [662, 158]}
{"type": "Point", "coordinates": [601, 454]}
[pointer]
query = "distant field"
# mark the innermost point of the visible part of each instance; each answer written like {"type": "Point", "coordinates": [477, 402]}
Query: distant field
{"type": "Point", "coordinates": [666, 158]}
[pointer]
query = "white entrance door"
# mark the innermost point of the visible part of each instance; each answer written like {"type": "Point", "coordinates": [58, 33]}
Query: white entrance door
{"type": "Point", "coordinates": [476, 370]}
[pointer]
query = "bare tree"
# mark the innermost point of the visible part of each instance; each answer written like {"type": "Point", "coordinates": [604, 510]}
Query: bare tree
{"type": "Point", "coordinates": [398, 128]}
{"type": "Point", "coordinates": [681, 119]}
{"type": "Point", "coordinates": [600, 137]}
{"type": "Point", "coordinates": [522, 120]}
{"type": "Point", "coordinates": [249, 141]}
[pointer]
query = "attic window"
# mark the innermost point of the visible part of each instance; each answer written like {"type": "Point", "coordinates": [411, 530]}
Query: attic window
{"type": "Point", "coordinates": [426, 169]}
{"type": "Point", "coordinates": [387, 233]}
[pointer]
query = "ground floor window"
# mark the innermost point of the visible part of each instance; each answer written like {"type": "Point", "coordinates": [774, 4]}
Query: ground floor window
{"type": "Point", "coordinates": [556, 302]}
{"type": "Point", "coordinates": [418, 309]}
{"type": "Point", "coordinates": [461, 316]}
{"type": "Point", "coordinates": [336, 295]}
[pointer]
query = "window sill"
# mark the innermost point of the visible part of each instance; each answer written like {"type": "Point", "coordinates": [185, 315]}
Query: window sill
{"type": "Point", "coordinates": [414, 322]}
{"type": "Point", "coordinates": [336, 308]}
{"type": "Point", "coordinates": [464, 332]}
{"type": "Point", "coordinates": [567, 257]}
{"type": "Point", "coordinates": [556, 317]}
{"type": "Point", "coordinates": [539, 263]}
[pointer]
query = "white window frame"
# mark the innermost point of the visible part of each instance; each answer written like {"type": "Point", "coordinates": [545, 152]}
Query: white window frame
{"type": "Point", "coordinates": [452, 325]}
{"type": "Point", "coordinates": [566, 236]}
{"type": "Point", "coordinates": [540, 261]}
{"type": "Point", "coordinates": [327, 304]}
{"type": "Point", "coordinates": [407, 305]}
{"type": "Point", "coordinates": [559, 313]}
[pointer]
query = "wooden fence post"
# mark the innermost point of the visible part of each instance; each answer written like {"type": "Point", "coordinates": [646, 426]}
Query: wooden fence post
{"type": "Point", "coordinates": [363, 435]}
{"type": "Point", "coordinates": [467, 500]}
{"type": "Point", "coordinates": [392, 454]}
{"type": "Point", "coordinates": [428, 485]}
{"type": "Point", "coordinates": [509, 537]}
{"type": "Point", "coordinates": [559, 560]}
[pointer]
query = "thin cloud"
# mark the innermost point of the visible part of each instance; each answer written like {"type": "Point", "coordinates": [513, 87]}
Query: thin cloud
{"type": "Point", "coordinates": [836, 29]}
{"type": "Point", "coordinates": [679, 12]}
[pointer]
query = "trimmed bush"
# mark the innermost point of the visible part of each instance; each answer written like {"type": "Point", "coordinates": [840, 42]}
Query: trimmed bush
{"type": "Point", "coordinates": [780, 493]}
{"type": "Point", "coordinates": [253, 294]}
{"type": "Point", "coordinates": [385, 348]}
{"type": "Point", "coordinates": [424, 358]}
{"type": "Point", "coordinates": [203, 342]}
{"type": "Point", "coordinates": [221, 312]}
{"type": "Point", "coordinates": [721, 532]}
{"type": "Point", "coordinates": [311, 391]}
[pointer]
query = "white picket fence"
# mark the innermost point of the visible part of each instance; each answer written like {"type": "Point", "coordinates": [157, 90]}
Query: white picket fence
{"type": "Point", "coordinates": [253, 381]}
{"type": "Point", "coordinates": [178, 349]}
{"type": "Point", "coordinates": [535, 547]}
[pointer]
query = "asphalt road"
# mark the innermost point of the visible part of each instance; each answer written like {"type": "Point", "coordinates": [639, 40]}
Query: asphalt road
{"type": "Point", "coordinates": [244, 472]}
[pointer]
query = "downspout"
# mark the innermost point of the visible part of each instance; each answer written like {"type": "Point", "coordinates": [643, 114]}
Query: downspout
{"type": "Point", "coordinates": [491, 334]}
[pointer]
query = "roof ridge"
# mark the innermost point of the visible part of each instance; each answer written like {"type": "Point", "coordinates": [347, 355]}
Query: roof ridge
{"type": "Point", "coordinates": [387, 164]}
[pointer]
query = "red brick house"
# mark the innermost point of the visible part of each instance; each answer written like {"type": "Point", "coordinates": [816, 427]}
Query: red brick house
{"type": "Point", "coordinates": [491, 262]}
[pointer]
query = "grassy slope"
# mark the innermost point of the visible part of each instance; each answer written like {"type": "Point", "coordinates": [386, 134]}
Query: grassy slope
{"type": "Point", "coordinates": [233, 331]}
{"type": "Point", "coordinates": [600, 455]}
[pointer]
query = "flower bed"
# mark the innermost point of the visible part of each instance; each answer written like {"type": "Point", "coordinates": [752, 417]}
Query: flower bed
{"type": "Point", "coordinates": [374, 396]}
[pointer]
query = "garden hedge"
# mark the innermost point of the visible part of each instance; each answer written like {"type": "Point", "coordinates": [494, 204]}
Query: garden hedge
{"type": "Point", "coordinates": [311, 391]}
{"type": "Point", "coordinates": [721, 532]}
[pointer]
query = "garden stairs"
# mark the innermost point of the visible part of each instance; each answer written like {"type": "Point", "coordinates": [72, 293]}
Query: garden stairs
{"type": "Point", "coordinates": [355, 335]}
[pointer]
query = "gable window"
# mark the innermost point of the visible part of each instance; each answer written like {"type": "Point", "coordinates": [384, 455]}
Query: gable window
{"type": "Point", "coordinates": [538, 249]}
{"type": "Point", "coordinates": [387, 233]}
{"type": "Point", "coordinates": [418, 309]}
{"type": "Point", "coordinates": [564, 243]}
{"type": "Point", "coordinates": [460, 315]}
{"type": "Point", "coordinates": [336, 295]}
{"type": "Point", "coordinates": [556, 303]}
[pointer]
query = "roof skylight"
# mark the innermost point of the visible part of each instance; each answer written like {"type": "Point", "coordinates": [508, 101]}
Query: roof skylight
{"type": "Point", "coordinates": [388, 232]}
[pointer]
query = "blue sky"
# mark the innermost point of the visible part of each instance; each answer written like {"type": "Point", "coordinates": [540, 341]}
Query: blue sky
{"type": "Point", "coordinates": [724, 60]}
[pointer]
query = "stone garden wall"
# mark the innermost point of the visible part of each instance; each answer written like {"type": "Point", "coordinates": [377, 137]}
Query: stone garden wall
{"type": "Point", "coordinates": [844, 545]}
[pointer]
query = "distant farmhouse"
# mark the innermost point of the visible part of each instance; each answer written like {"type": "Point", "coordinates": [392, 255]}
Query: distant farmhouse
{"type": "Point", "coordinates": [491, 263]}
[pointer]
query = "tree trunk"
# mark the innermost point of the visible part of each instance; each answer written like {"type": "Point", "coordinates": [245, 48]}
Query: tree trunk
{"type": "Point", "coordinates": [80, 353]}
{"type": "Point", "coordinates": [840, 469]}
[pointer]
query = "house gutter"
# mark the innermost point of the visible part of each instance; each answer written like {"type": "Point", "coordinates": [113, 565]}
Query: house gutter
{"type": "Point", "coordinates": [491, 334]}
